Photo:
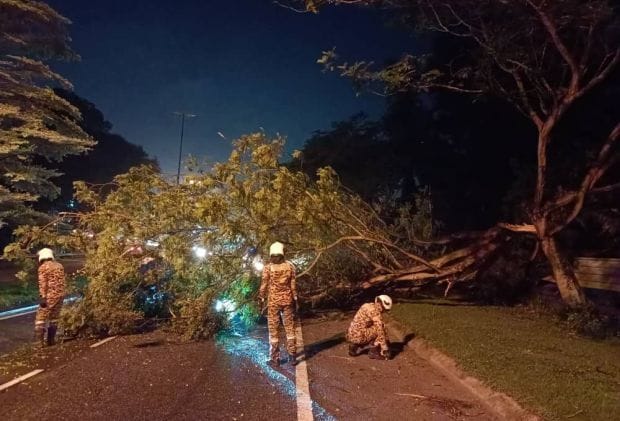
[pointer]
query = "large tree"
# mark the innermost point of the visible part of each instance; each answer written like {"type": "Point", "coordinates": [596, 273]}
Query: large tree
{"type": "Point", "coordinates": [543, 57]}
{"type": "Point", "coordinates": [36, 125]}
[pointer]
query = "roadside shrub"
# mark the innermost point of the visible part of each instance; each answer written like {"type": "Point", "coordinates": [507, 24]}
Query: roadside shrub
{"type": "Point", "coordinates": [588, 321]}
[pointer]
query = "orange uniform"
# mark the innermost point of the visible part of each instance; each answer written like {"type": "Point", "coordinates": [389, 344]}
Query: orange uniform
{"type": "Point", "coordinates": [52, 290]}
{"type": "Point", "coordinates": [278, 284]}
{"type": "Point", "coordinates": [367, 327]}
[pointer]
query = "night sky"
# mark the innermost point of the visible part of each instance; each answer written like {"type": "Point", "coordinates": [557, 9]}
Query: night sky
{"type": "Point", "coordinates": [238, 64]}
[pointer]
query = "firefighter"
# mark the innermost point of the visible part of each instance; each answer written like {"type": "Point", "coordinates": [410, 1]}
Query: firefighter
{"type": "Point", "coordinates": [278, 285]}
{"type": "Point", "coordinates": [51, 295]}
{"type": "Point", "coordinates": [367, 328]}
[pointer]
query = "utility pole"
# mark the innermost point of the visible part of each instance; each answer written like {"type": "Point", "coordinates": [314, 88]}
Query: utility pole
{"type": "Point", "coordinates": [183, 117]}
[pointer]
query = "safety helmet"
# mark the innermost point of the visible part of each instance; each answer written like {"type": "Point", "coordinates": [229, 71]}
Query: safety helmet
{"type": "Point", "coordinates": [45, 254]}
{"type": "Point", "coordinates": [276, 248]}
{"type": "Point", "coordinates": [385, 301]}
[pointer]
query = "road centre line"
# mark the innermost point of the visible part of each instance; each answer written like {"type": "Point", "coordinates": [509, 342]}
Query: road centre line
{"type": "Point", "coordinates": [20, 379]}
{"type": "Point", "coordinates": [101, 342]}
{"type": "Point", "coordinates": [304, 403]}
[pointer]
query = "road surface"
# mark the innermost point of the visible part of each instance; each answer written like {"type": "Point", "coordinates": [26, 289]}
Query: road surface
{"type": "Point", "coordinates": [156, 376]}
{"type": "Point", "coordinates": [16, 332]}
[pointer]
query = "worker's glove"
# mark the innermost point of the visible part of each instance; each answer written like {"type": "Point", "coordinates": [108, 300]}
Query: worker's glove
{"type": "Point", "coordinates": [42, 302]}
{"type": "Point", "coordinates": [385, 353]}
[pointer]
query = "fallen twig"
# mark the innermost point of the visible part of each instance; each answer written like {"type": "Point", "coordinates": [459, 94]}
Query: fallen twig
{"type": "Point", "coordinates": [413, 395]}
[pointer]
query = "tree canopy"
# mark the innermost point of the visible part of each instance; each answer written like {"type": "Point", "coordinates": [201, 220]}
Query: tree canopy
{"type": "Point", "coordinates": [36, 125]}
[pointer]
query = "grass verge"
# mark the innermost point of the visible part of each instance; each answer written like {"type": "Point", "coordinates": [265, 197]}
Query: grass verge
{"type": "Point", "coordinates": [16, 294]}
{"type": "Point", "coordinates": [524, 354]}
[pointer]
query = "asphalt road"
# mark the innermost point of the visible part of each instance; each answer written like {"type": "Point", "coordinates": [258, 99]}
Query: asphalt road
{"type": "Point", "coordinates": [149, 378]}
{"type": "Point", "coordinates": [16, 332]}
{"type": "Point", "coordinates": [156, 376]}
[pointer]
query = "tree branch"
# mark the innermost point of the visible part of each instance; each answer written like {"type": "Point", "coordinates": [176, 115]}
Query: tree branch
{"type": "Point", "coordinates": [561, 47]}
{"type": "Point", "coordinates": [527, 228]}
{"type": "Point", "coordinates": [597, 170]}
{"type": "Point", "coordinates": [601, 75]}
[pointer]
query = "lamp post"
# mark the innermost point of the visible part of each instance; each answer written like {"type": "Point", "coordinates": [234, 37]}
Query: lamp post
{"type": "Point", "coordinates": [183, 117]}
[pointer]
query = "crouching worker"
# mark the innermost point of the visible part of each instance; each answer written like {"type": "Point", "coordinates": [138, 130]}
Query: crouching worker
{"type": "Point", "coordinates": [278, 284]}
{"type": "Point", "coordinates": [367, 328]}
{"type": "Point", "coordinates": [51, 294]}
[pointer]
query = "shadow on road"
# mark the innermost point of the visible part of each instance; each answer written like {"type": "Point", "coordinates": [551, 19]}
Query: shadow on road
{"type": "Point", "coordinates": [325, 344]}
{"type": "Point", "coordinates": [398, 347]}
{"type": "Point", "coordinates": [149, 344]}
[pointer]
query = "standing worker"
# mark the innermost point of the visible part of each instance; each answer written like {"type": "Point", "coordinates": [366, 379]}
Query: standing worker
{"type": "Point", "coordinates": [278, 282]}
{"type": "Point", "coordinates": [367, 328]}
{"type": "Point", "coordinates": [51, 295]}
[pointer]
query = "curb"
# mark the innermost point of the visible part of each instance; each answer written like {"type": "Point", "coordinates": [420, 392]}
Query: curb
{"type": "Point", "coordinates": [499, 403]}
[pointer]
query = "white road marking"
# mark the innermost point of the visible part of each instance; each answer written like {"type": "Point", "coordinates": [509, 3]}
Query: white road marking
{"type": "Point", "coordinates": [20, 379]}
{"type": "Point", "coordinates": [101, 342]}
{"type": "Point", "coordinates": [304, 403]}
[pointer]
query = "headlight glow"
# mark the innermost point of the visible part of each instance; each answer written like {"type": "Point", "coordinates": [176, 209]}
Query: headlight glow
{"type": "Point", "coordinates": [258, 264]}
{"type": "Point", "coordinates": [199, 252]}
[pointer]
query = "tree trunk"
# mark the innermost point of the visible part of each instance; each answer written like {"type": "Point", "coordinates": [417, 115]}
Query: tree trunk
{"type": "Point", "coordinates": [564, 276]}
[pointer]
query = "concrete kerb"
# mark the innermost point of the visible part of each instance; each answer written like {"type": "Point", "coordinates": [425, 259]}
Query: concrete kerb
{"type": "Point", "coordinates": [499, 403]}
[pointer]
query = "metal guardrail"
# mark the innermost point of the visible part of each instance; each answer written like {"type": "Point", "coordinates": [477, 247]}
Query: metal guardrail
{"type": "Point", "coordinates": [22, 311]}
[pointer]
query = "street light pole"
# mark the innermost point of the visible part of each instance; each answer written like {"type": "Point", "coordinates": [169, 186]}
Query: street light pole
{"type": "Point", "coordinates": [183, 116]}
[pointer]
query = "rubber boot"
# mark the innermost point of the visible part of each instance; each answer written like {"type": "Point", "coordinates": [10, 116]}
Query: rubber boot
{"type": "Point", "coordinates": [274, 356]}
{"type": "Point", "coordinates": [354, 350]}
{"type": "Point", "coordinates": [292, 355]}
{"type": "Point", "coordinates": [39, 336]}
{"type": "Point", "coordinates": [51, 334]}
{"type": "Point", "coordinates": [375, 353]}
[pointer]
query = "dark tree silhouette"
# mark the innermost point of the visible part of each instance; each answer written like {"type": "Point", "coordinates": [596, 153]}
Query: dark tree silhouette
{"type": "Point", "coordinates": [111, 156]}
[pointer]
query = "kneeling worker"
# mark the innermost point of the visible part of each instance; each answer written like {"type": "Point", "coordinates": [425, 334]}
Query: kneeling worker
{"type": "Point", "coordinates": [367, 328]}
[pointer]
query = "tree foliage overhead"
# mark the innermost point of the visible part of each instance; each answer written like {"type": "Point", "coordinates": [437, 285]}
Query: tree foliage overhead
{"type": "Point", "coordinates": [35, 123]}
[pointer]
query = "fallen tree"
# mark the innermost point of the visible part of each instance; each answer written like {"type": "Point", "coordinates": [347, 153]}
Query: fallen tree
{"type": "Point", "coordinates": [203, 232]}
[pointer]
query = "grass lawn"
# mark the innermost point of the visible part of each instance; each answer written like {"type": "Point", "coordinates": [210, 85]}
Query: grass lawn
{"type": "Point", "coordinates": [524, 354]}
{"type": "Point", "coordinates": [15, 294]}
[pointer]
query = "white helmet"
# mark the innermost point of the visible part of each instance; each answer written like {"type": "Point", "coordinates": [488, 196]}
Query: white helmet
{"type": "Point", "coordinates": [385, 300]}
{"type": "Point", "coordinates": [276, 248]}
{"type": "Point", "coordinates": [45, 254]}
